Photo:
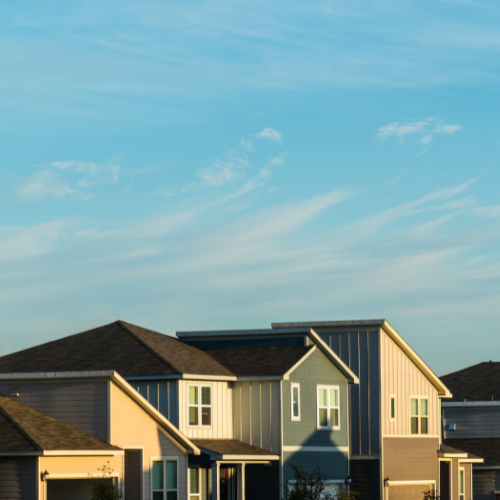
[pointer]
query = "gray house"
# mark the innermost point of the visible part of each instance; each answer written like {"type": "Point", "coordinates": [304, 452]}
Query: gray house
{"type": "Point", "coordinates": [175, 421]}
{"type": "Point", "coordinates": [471, 422]}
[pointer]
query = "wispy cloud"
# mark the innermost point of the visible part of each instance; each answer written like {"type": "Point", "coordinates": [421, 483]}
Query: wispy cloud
{"type": "Point", "coordinates": [491, 212]}
{"type": "Point", "coordinates": [271, 163]}
{"type": "Point", "coordinates": [271, 134]}
{"type": "Point", "coordinates": [96, 173]}
{"type": "Point", "coordinates": [425, 129]}
{"type": "Point", "coordinates": [224, 171]}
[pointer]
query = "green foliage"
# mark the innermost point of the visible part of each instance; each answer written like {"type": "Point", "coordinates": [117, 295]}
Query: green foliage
{"type": "Point", "coordinates": [102, 487]}
{"type": "Point", "coordinates": [311, 486]}
{"type": "Point", "coordinates": [431, 495]}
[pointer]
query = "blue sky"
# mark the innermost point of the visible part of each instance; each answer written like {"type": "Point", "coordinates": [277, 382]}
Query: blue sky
{"type": "Point", "coordinates": [227, 164]}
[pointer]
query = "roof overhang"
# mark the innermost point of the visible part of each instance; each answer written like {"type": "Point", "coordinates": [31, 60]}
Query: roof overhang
{"type": "Point", "coordinates": [239, 458]}
{"type": "Point", "coordinates": [116, 378]}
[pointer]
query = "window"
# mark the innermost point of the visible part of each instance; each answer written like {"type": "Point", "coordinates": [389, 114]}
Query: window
{"type": "Point", "coordinates": [164, 479]}
{"type": "Point", "coordinates": [419, 416]}
{"type": "Point", "coordinates": [328, 407]}
{"type": "Point", "coordinates": [392, 408]}
{"type": "Point", "coordinates": [199, 408]}
{"type": "Point", "coordinates": [461, 484]}
{"type": "Point", "coordinates": [194, 484]}
{"type": "Point", "coordinates": [295, 397]}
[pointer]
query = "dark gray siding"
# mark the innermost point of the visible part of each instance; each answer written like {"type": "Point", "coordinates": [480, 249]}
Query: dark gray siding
{"type": "Point", "coordinates": [18, 478]}
{"type": "Point", "coordinates": [162, 394]}
{"type": "Point", "coordinates": [365, 475]}
{"type": "Point", "coordinates": [315, 370]}
{"type": "Point", "coordinates": [360, 351]}
{"type": "Point", "coordinates": [485, 483]}
{"type": "Point", "coordinates": [476, 422]}
{"type": "Point", "coordinates": [262, 482]}
{"type": "Point", "coordinates": [332, 465]}
{"type": "Point", "coordinates": [81, 404]}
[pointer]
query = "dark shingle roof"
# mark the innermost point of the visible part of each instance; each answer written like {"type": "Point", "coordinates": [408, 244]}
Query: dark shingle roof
{"type": "Point", "coordinates": [25, 429]}
{"type": "Point", "coordinates": [476, 383]}
{"type": "Point", "coordinates": [230, 447]}
{"type": "Point", "coordinates": [128, 349]}
{"type": "Point", "coordinates": [273, 361]}
{"type": "Point", "coordinates": [487, 448]}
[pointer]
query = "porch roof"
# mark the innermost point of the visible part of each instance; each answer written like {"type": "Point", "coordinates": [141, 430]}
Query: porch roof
{"type": "Point", "coordinates": [232, 449]}
{"type": "Point", "coordinates": [447, 451]}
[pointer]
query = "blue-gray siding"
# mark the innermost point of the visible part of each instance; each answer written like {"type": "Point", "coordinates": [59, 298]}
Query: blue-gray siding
{"type": "Point", "coordinates": [18, 478]}
{"type": "Point", "coordinates": [334, 465]}
{"type": "Point", "coordinates": [162, 394]}
{"type": "Point", "coordinates": [485, 483]}
{"type": "Point", "coordinates": [315, 370]}
{"type": "Point", "coordinates": [360, 351]}
{"type": "Point", "coordinates": [477, 422]}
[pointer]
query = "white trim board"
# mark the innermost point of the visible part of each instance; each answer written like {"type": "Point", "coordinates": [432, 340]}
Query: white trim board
{"type": "Point", "coordinates": [77, 475]}
{"type": "Point", "coordinates": [411, 483]}
{"type": "Point", "coordinates": [329, 449]}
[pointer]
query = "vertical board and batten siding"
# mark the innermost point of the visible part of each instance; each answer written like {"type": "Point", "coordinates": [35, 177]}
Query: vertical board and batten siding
{"type": "Point", "coordinates": [133, 427]}
{"type": "Point", "coordinates": [81, 404]}
{"type": "Point", "coordinates": [315, 370]}
{"type": "Point", "coordinates": [162, 394]}
{"type": "Point", "coordinates": [257, 414]}
{"type": "Point", "coordinates": [359, 350]}
{"type": "Point", "coordinates": [18, 478]}
{"type": "Point", "coordinates": [402, 379]}
{"type": "Point", "coordinates": [222, 411]}
{"type": "Point", "coordinates": [472, 422]}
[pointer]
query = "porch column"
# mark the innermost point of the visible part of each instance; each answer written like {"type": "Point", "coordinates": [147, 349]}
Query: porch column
{"type": "Point", "coordinates": [241, 482]}
{"type": "Point", "coordinates": [215, 481]}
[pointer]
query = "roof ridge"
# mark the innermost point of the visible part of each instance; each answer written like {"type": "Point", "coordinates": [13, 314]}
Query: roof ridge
{"type": "Point", "coordinates": [124, 326]}
{"type": "Point", "coordinates": [18, 426]}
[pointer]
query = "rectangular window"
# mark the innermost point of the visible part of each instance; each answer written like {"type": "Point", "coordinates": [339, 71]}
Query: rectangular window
{"type": "Point", "coordinates": [392, 409]}
{"type": "Point", "coordinates": [164, 479]}
{"type": "Point", "coordinates": [295, 397]}
{"type": "Point", "coordinates": [199, 408]}
{"type": "Point", "coordinates": [461, 484]}
{"type": "Point", "coordinates": [194, 484]}
{"type": "Point", "coordinates": [328, 407]}
{"type": "Point", "coordinates": [419, 416]}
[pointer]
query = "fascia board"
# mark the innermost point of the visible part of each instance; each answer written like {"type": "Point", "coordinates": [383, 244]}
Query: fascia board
{"type": "Point", "coordinates": [468, 404]}
{"type": "Point", "coordinates": [57, 375]}
{"type": "Point", "coordinates": [325, 349]}
{"type": "Point", "coordinates": [250, 457]}
{"type": "Point", "coordinates": [443, 391]}
{"type": "Point", "coordinates": [169, 428]}
{"type": "Point", "coordinates": [241, 333]}
{"type": "Point", "coordinates": [82, 453]}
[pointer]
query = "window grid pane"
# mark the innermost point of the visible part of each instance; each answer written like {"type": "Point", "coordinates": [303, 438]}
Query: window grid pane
{"type": "Point", "coordinates": [424, 425]}
{"type": "Point", "coordinates": [414, 425]}
{"type": "Point", "coordinates": [323, 417]}
{"type": "Point", "coordinates": [206, 415]}
{"type": "Point", "coordinates": [423, 407]}
{"type": "Point", "coordinates": [157, 475]}
{"type": "Point", "coordinates": [393, 408]}
{"type": "Point", "coordinates": [171, 475]}
{"type": "Point", "coordinates": [193, 415]}
{"type": "Point", "coordinates": [193, 395]}
{"type": "Point", "coordinates": [323, 401]}
{"type": "Point", "coordinates": [414, 407]}
{"type": "Point", "coordinates": [205, 396]}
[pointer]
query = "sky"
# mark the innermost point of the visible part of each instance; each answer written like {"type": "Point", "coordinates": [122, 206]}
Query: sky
{"type": "Point", "coordinates": [218, 164]}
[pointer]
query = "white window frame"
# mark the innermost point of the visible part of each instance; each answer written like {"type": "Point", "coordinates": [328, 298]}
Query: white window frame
{"type": "Point", "coordinates": [329, 407]}
{"type": "Point", "coordinates": [419, 398]}
{"type": "Point", "coordinates": [164, 460]}
{"type": "Point", "coordinates": [292, 387]}
{"type": "Point", "coordinates": [190, 494]}
{"type": "Point", "coordinates": [392, 397]}
{"type": "Point", "coordinates": [461, 496]}
{"type": "Point", "coordinates": [200, 406]}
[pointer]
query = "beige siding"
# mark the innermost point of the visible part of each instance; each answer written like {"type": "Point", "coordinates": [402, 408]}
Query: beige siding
{"type": "Point", "coordinates": [222, 411]}
{"type": "Point", "coordinates": [409, 492]}
{"type": "Point", "coordinates": [81, 404]}
{"type": "Point", "coordinates": [411, 459]}
{"type": "Point", "coordinates": [81, 465]}
{"type": "Point", "coordinates": [133, 427]}
{"type": "Point", "coordinates": [402, 379]}
{"type": "Point", "coordinates": [257, 414]}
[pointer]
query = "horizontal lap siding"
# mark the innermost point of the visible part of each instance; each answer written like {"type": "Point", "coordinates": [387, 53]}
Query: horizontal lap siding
{"type": "Point", "coordinates": [132, 427]}
{"type": "Point", "coordinates": [83, 405]}
{"type": "Point", "coordinates": [334, 465]}
{"type": "Point", "coordinates": [402, 379]}
{"type": "Point", "coordinates": [408, 492]}
{"type": "Point", "coordinates": [81, 465]}
{"type": "Point", "coordinates": [411, 459]}
{"type": "Point", "coordinates": [18, 478]}
{"type": "Point", "coordinates": [315, 370]}
{"type": "Point", "coordinates": [222, 411]}
{"type": "Point", "coordinates": [482, 422]}
{"type": "Point", "coordinates": [484, 484]}
{"type": "Point", "coordinates": [257, 414]}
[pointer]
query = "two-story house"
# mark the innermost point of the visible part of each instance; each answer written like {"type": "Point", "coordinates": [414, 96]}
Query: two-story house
{"type": "Point", "coordinates": [394, 438]}
{"type": "Point", "coordinates": [174, 421]}
{"type": "Point", "coordinates": [471, 422]}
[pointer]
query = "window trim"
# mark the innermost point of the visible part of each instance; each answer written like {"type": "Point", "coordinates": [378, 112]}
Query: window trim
{"type": "Point", "coordinates": [292, 387]}
{"type": "Point", "coordinates": [328, 388]}
{"type": "Point", "coordinates": [200, 406]}
{"type": "Point", "coordinates": [419, 416]}
{"type": "Point", "coordinates": [164, 460]}
{"type": "Point", "coordinates": [190, 494]}
{"type": "Point", "coordinates": [392, 397]}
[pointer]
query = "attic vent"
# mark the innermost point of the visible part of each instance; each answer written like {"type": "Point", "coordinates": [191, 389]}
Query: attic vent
{"type": "Point", "coordinates": [452, 427]}
{"type": "Point", "coordinates": [14, 392]}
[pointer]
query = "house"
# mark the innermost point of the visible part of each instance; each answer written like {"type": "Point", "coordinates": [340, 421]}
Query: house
{"type": "Point", "coordinates": [173, 421]}
{"type": "Point", "coordinates": [471, 422]}
{"type": "Point", "coordinates": [395, 442]}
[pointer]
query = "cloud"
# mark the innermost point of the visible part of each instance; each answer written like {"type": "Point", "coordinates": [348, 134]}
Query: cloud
{"type": "Point", "coordinates": [491, 212]}
{"type": "Point", "coordinates": [271, 134]}
{"type": "Point", "coordinates": [247, 144]}
{"type": "Point", "coordinates": [426, 128]}
{"type": "Point", "coordinates": [222, 172]}
{"type": "Point", "coordinates": [98, 173]}
{"type": "Point", "coordinates": [271, 162]}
